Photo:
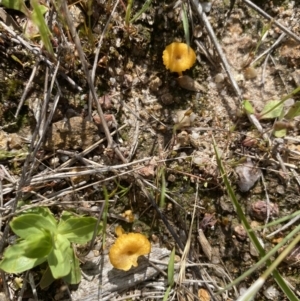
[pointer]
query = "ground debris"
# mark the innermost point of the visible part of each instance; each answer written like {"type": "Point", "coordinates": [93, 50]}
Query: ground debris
{"type": "Point", "coordinates": [74, 133]}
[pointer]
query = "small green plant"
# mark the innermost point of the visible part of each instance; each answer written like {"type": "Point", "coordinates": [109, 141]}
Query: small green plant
{"type": "Point", "coordinates": [43, 239]}
{"type": "Point", "coordinates": [171, 280]}
{"type": "Point", "coordinates": [274, 109]}
{"type": "Point", "coordinates": [36, 16]}
{"type": "Point", "coordinates": [129, 21]}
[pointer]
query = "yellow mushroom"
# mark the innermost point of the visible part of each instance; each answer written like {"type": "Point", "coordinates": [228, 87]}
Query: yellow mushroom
{"type": "Point", "coordinates": [178, 57]}
{"type": "Point", "coordinates": [127, 249]}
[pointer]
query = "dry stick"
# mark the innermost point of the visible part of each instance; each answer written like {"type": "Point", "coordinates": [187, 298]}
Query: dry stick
{"type": "Point", "coordinates": [88, 150]}
{"type": "Point", "coordinates": [97, 56]}
{"type": "Point", "coordinates": [270, 49]}
{"type": "Point", "coordinates": [24, 177]}
{"type": "Point", "coordinates": [135, 140]}
{"type": "Point", "coordinates": [163, 218]}
{"type": "Point", "coordinates": [37, 52]}
{"type": "Point", "coordinates": [91, 171]}
{"type": "Point", "coordinates": [203, 17]}
{"type": "Point", "coordinates": [267, 200]}
{"type": "Point", "coordinates": [268, 52]}
{"type": "Point", "coordinates": [26, 90]}
{"type": "Point", "coordinates": [111, 143]}
{"type": "Point", "coordinates": [41, 121]}
{"type": "Point", "coordinates": [24, 286]}
{"type": "Point", "coordinates": [264, 14]}
{"type": "Point", "coordinates": [5, 285]}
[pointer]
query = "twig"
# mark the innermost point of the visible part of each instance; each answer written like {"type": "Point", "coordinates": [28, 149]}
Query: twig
{"type": "Point", "coordinates": [203, 17]}
{"type": "Point", "coordinates": [291, 222]}
{"type": "Point", "coordinates": [264, 14]}
{"type": "Point", "coordinates": [135, 137]}
{"type": "Point", "coordinates": [97, 56]}
{"type": "Point", "coordinates": [26, 90]}
{"type": "Point", "coordinates": [89, 149]}
{"type": "Point", "coordinates": [42, 123]}
{"type": "Point", "coordinates": [270, 49]}
{"type": "Point", "coordinates": [111, 143]}
{"type": "Point", "coordinates": [24, 286]}
{"type": "Point", "coordinates": [37, 52]}
{"type": "Point", "coordinates": [33, 286]}
{"type": "Point", "coordinates": [267, 200]}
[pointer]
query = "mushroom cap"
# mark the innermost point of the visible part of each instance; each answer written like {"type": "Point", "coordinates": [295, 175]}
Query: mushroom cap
{"type": "Point", "coordinates": [126, 250]}
{"type": "Point", "coordinates": [178, 57]}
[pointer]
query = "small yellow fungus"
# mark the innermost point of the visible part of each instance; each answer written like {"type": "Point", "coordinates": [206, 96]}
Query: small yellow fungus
{"type": "Point", "coordinates": [127, 249]}
{"type": "Point", "coordinates": [178, 57]}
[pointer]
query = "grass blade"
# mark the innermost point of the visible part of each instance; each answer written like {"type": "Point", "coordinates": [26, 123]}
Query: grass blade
{"type": "Point", "coordinates": [143, 9]}
{"type": "Point", "coordinates": [185, 22]}
{"type": "Point", "coordinates": [291, 296]}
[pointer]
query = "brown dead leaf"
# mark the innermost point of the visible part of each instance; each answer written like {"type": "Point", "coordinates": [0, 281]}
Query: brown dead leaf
{"type": "Point", "coordinates": [203, 295]}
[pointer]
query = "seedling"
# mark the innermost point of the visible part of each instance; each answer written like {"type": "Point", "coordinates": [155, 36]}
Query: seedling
{"type": "Point", "coordinates": [275, 109]}
{"type": "Point", "coordinates": [171, 280]}
{"type": "Point", "coordinates": [43, 239]}
{"type": "Point", "coordinates": [129, 21]}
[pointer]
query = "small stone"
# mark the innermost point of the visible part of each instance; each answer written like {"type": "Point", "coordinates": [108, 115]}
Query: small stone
{"type": "Point", "coordinates": [3, 140]}
{"type": "Point", "coordinates": [219, 78]}
{"type": "Point", "coordinates": [271, 293]}
{"type": "Point", "coordinates": [294, 257]}
{"type": "Point", "coordinates": [188, 83]}
{"type": "Point", "coordinates": [54, 162]}
{"type": "Point", "coordinates": [167, 98]}
{"type": "Point", "coordinates": [183, 139]}
{"type": "Point", "coordinates": [250, 73]}
{"type": "Point", "coordinates": [171, 178]}
{"type": "Point", "coordinates": [155, 83]}
{"type": "Point", "coordinates": [259, 210]}
{"type": "Point", "coordinates": [240, 232]}
{"type": "Point", "coordinates": [248, 175]}
{"type": "Point", "coordinates": [280, 189]}
{"type": "Point", "coordinates": [184, 118]}
{"type": "Point", "coordinates": [15, 141]}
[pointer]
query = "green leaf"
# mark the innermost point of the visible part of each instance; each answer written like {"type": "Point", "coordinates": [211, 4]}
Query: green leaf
{"type": "Point", "coordinates": [167, 293]}
{"type": "Point", "coordinates": [293, 111]}
{"type": "Point", "coordinates": [74, 276]}
{"type": "Point", "coordinates": [45, 212]}
{"type": "Point", "coordinates": [16, 262]}
{"type": "Point", "coordinates": [38, 246]}
{"type": "Point", "coordinates": [47, 279]}
{"type": "Point", "coordinates": [128, 12]}
{"type": "Point", "coordinates": [271, 110]}
{"type": "Point", "coordinates": [248, 107]}
{"type": "Point", "coordinates": [66, 215]}
{"type": "Point", "coordinates": [16, 5]}
{"type": "Point", "coordinates": [31, 224]}
{"type": "Point", "coordinates": [78, 229]}
{"type": "Point", "coordinates": [143, 9]}
{"type": "Point", "coordinates": [38, 19]}
{"type": "Point", "coordinates": [280, 133]}
{"type": "Point", "coordinates": [171, 268]}
{"type": "Point", "coordinates": [58, 259]}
